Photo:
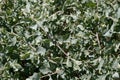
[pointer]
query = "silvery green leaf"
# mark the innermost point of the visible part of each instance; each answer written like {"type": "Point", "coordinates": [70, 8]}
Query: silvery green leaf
{"type": "Point", "coordinates": [24, 56]}
{"type": "Point", "coordinates": [86, 52]}
{"type": "Point", "coordinates": [34, 0]}
{"type": "Point", "coordinates": [34, 27]}
{"type": "Point", "coordinates": [81, 27]}
{"type": "Point", "coordinates": [14, 40]}
{"type": "Point", "coordinates": [116, 75]}
{"type": "Point", "coordinates": [50, 78]}
{"type": "Point", "coordinates": [74, 41]}
{"type": "Point", "coordinates": [118, 13]}
{"type": "Point", "coordinates": [35, 76]}
{"type": "Point", "coordinates": [27, 35]}
{"type": "Point", "coordinates": [46, 63]}
{"type": "Point", "coordinates": [117, 47]}
{"type": "Point", "coordinates": [27, 6]}
{"type": "Point", "coordinates": [74, 17]}
{"type": "Point", "coordinates": [59, 71]}
{"type": "Point", "coordinates": [76, 62]}
{"type": "Point", "coordinates": [83, 1]}
{"type": "Point", "coordinates": [68, 62]}
{"type": "Point", "coordinates": [80, 34]}
{"type": "Point", "coordinates": [46, 29]}
{"type": "Point", "coordinates": [15, 65]}
{"type": "Point", "coordinates": [41, 50]}
{"type": "Point", "coordinates": [108, 33]}
{"type": "Point", "coordinates": [107, 12]}
{"type": "Point", "coordinates": [45, 71]}
{"type": "Point", "coordinates": [39, 23]}
{"type": "Point", "coordinates": [103, 77]}
{"type": "Point", "coordinates": [113, 26]}
{"type": "Point", "coordinates": [38, 39]}
{"type": "Point", "coordinates": [51, 44]}
{"type": "Point", "coordinates": [76, 67]}
{"type": "Point", "coordinates": [101, 62]}
{"type": "Point", "coordinates": [115, 64]}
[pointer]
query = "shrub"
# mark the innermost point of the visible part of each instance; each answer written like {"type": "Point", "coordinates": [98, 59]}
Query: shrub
{"type": "Point", "coordinates": [59, 39]}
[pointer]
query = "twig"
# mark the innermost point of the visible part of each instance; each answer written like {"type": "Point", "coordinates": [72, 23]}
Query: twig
{"type": "Point", "coordinates": [12, 33]}
{"type": "Point", "coordinates": [52, 38]}
{"type": "Point", "coordinates": [114, 19]}
{"type": "Point", "coordinates": [98, 40]}
{"type": "Point", "coordinates": [56, 43]}
{"type": "Point", "coordinates": [34, 49]}
{"type": "Point", "coordinates": [61, 49]}
{"type": "Point", "coordinates": [48, 75]}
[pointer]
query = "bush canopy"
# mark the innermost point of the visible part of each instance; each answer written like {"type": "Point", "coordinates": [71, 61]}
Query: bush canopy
{"type": "Point", "coordinates": [59, 39]}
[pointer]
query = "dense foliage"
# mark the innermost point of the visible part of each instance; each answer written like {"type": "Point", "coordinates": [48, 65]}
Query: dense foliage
{"type": "Point", "coordinates": [59, 39]}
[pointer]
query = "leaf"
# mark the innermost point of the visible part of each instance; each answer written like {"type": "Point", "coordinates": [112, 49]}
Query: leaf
{"type": "Point", "coordinates": [86, 52]}
{"type": "Point", "coordinates": [101, 62]}
{"type": "Point", "coordinates": [59, 71]}
{"type": "Point", "coordinates": [103, 77]}
{"type": "Point", "coordinates": [46, 64]}
{"type": "Point", "coordinates": [76, 61]}
{"type": "Point", "coordinates": [15, 65]}
{"type": "Point", "coordinates": [81, 27]}
{"type": "Point", "coordinates": [107, 12]}
{"type": "Point", "coordinates": [117, 47]}
{"type": "Point", "coordinates": [76, 64]}
{"type": "Point", "coordinates": [80, 34]}
{"type": "Point", "coordinates": [35, 76]}
{"type": "Point", "coordinates": [34, 27]}
{"type": "Point", "coordinates": [40, 24]}
{"type": "Point", "coordinates": [27, 34]}
{"type": "Point", "coordinates": [108, 33]}
{"type": "Point", "coordinates": [68, 62]}
{"type": "Point", "coordinates": [118, 13]}
{"type": "Point", "coordinates": [86, 77]}
{"type": "Point", "coordinates": [41, 50]}
{"type": "Point", "coordinates": [115, 64]}
{"type": "Point", "coordinates": [116, 75]}
{"type": "Point", "coordinates": [74, 41]}
{"type": "Point", "coordinates": [51, 44]}
{"type": "Point", "coordinates": [50, 78]}
{"type": "Point", "coordinates": [27, 6]}
{"type": "Point", "coordinates": [46, 29]}
{"type": "Point", "coordinates": [56, 60]}
{"type": "Point", "coordinates": [38, 39]}
{"type": "Point", "coordinates": [14, 40]}
{"type": "Point", "coordinates": [45, 71]}
{"type": "Point", "coordinates": [24, 56]}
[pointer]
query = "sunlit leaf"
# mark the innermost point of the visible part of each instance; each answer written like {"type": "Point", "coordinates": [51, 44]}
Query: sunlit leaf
{"type": "Point", "coordinates": [68, 62]}
{"type": "Point", "coordinates": [34, 27]}
{"type": "Point", "coordinates": [116, 75]}
{"type": "Point", "coordinates": [27, 6]}
{"type": "Point", "coordinates": [41, 50]}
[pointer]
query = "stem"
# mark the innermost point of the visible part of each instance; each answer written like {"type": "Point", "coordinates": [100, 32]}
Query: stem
{"type": "Point", "coordinates": [48, 75]}
{"type": "Point", "coordinates": [61, 49]}
{"type": "Point", "coordinates": [98, 40]}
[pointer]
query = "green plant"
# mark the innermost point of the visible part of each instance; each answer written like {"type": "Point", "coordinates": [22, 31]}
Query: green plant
{"type": "Point", "coordinates": [59, 39]}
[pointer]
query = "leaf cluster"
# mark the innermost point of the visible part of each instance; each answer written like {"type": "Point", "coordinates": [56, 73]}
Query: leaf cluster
{"type": "Point", "coordinates": [59, 39]}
